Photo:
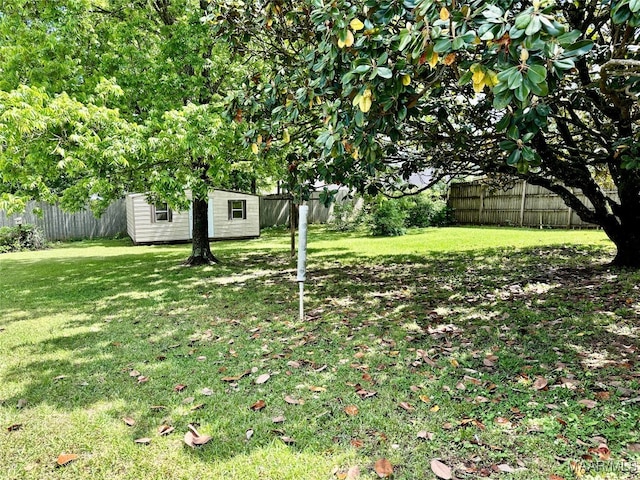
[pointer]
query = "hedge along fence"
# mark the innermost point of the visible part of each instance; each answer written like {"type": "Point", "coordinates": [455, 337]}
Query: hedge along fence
{"type": "Point", "coordinates": [523, 205]}
{"type": "Point", "coordinates": [60, 225]}
{"type": "Point", "coordinates": [274, 209]}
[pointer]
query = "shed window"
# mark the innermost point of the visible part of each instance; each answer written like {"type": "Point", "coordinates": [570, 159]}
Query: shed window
{"type": "Point", "coordinates": [161, 213]}
{"type": "Point", "coordinates": [237, 209]}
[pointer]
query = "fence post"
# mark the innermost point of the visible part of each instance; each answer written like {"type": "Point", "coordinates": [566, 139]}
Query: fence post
{"type": "Point", "coordinates": [522, 202]}
{"type": "Point", "coordinates": [481, 204]}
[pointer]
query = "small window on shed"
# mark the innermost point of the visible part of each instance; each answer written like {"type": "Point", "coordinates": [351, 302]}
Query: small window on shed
{"type": "Point", "coordinates": [237, 209]}
{"type": "Point", "coordinates": [160, 212]}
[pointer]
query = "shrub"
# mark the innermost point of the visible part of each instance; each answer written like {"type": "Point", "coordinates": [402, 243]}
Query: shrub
{"type": "Point", "coordinates": [21, 237]}
{"type": "Point", "coordinates": [346, 217]}
{"type": "Point", "coordinates": [388, 218]}
{"type": "Point", "coordinates": [428, 210]}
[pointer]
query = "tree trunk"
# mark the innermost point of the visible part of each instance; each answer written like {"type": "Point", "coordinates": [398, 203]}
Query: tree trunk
{"type": "Point", "coordinates": [626, 237]}
{"type": "Point", "coordinates": [200, 249]}
{"type": "Point", "coordinates": [628, 254]}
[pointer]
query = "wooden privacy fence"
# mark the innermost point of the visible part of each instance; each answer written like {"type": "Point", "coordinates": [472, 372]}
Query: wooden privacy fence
{"type": "Point", "coordinates": [523, 205]}
{"type": "Point", "coordinates": [60, 225]}
{"type": "Point", "coordinates": [274, 209]}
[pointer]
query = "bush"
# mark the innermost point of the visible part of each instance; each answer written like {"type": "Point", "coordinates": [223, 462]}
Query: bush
{"type": "Point", "coordinates": [428, 210]}
{"type": "Point", "coordinates": [346, 217]}
{"type": "Point", "coordinates": [21, 237]}
{"type": "Point", "coordinates": [388, 218]}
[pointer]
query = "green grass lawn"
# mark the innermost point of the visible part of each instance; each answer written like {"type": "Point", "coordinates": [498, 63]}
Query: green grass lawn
{"type": "Point", "coordinates": [504, 353]}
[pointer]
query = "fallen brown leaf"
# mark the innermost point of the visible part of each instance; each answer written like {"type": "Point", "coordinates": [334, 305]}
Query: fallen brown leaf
{"type": "Point", "coordinates": [179, 388]}
{"type": "Point", "coordinates": [287, 440]}
{"type": "Point", "coordinates": [351, 410]}
{"type": "Point", "coordinates": [406, 406]}
{"type": "Point", "coordinates": [14, 427]}
{"type": "Point", "coordinates": [317, 389]}
{"type": "Point", "coordinates": [278, 419]}
{"type": "Point", "coordinates": [383, 468]}
{"type": "Point", "coordinates": [143, 441]}
{"type": "Point", "coordinates": [588, 403]}
{"type": "Point", "coordinates": [353, 473]}
{"type": "Point", "coordinates": [259, 405]}
{"type": "Point", "coordinates": [207, 391]}
{"type": "Point", "coordinates": [293, 401]}
{"type": "Point", "coordinates": [424, 435]}
{"type": "Point", "coordinates": [356, 443]}
{"type": "Point", "coordinates": [193, 438]}
{"type": "Point", "coordinates": [165, 430]}
{"type": "Point", "coordinates": [440, 469]}
{"type": "Point", "coordinates": [262, 379]}
{"type": "Point", "coordinates": [65, 459]}
{"type": "Point", "coordinates": [129, 421]}
{"type": "Point", "coordinates": [248, 434]}
{"type": "Point", "coordinates": [236, 377]}
{"type": "Point", "coordinates": [540, 383]}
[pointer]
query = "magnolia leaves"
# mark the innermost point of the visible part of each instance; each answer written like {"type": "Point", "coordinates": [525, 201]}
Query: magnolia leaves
{"type": "Point", "coordinates": [194, 439]}
{"type": "Point", "coordinates": [346, 37]}
{"type": "Point", "coordinates": [364, 100]}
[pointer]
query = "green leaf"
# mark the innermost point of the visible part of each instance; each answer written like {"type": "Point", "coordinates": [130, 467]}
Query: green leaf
{"type": "Point", "coordinates": [515, 157]}
{"type": "Point", "coordinates": [515, 79]}
{"type": "Point", "coordinates": [540, 89]}
{"type": "Point", "coordinates": [405, 38]}
{"type": "Point", "coordinates": [523, 20]}
{"type": "Point", "coordinates": [569, 37]}
{"type": "Point", "coordinates": [621, 13]}
{"type": "Point", "coordinates": [634, 5]}
{"type": "Point", "coordinates": [534, 26]}
{"type": "Point", "coordinates": [384, 72]}
{"type": "Point", "coordinates": [528, 154]}
{"type": "Point", "coordinates": [442, 45]}
{"type": "Point", "coordinates": [542, 109]}
{"type": "Point", "coordinates": [564, 64]}
{"type": "Point", "coordinates": [536, 73]}
{"type": "Point", "coordinates": [465, 78]}
{"type": "Point", "coordinates": [504, 122]}
{"type": "Point", "coordinates": [508, 145]}
{"type": "Point", "coordinates": [577, 49]}
{"type": "Point", "coordinates": [502, 99]}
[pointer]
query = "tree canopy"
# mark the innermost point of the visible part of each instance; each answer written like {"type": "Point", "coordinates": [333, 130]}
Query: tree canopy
{"type": "Point", "coordinates": [545, 91]}
{"type": "Point", "coordinates": [100, 98]}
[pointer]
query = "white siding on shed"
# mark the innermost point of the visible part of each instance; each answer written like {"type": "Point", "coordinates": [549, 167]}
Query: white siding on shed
{"type": "Point", "coordinates": [142, 229]}
{"type": "Point", "coordinates": [147, 231]}
{"type": "Point", "coordinates": [235, 228]}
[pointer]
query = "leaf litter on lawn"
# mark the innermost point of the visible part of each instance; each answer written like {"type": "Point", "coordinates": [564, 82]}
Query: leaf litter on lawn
{"type": "Point", "coordinates": [520, 334]}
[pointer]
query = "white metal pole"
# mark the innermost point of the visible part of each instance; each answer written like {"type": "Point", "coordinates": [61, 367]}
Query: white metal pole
{"type": "Point", "coordinates": [302, 254]}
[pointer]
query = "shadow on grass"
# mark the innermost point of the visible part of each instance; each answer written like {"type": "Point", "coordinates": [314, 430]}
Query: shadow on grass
{"type": "Point", "coordinates": [140, 324]}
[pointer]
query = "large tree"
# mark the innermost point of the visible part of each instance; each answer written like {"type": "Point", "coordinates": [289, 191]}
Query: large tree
{"type": "Point", "coordinates": [159, 107]}
{"type": "Point", "coordinates": [544, 91]}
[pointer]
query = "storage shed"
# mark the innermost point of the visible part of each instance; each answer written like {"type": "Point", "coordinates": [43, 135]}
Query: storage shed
{"type": "Point", "coordinates": [232, 215]}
